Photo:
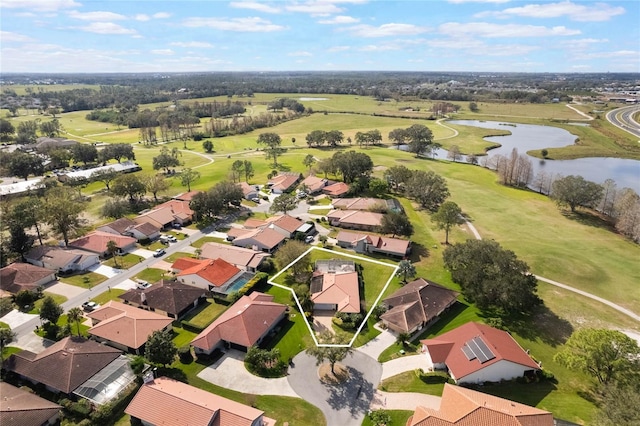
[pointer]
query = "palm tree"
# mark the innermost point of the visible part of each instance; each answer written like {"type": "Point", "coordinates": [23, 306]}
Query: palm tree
{"type": "Point", "coordinates": [112, 249]}
{"type": "Point", "coordinates": [75, 315]}
{"type": "Point", "coordinates": [405, 269]}
{"type": "Point", "coordinates": [402, 338]}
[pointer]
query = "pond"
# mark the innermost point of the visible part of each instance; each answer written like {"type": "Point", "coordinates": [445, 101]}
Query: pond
{"type": "Point", "coordinates": [526, 137]}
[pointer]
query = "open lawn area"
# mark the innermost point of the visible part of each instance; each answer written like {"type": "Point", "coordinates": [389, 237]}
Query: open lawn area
{"type": "Point", "coordinates": [182, 337]}
{"type": "Point", "coordinates": [205, 313]}
{"type": "Point", "coordinates": [153, 275]}
{"type": "Point", "coordinates": [84, 279]}
{"type": "Point", "coordinates": [123, 262]}
{"type": "Point", "coordinates": [202, 241]}
{"type": "Point", "coordinates": [56, 298]}
{"type": "Point", "coordinates": [108, 295]}
{"type": "Point", "coordinates": [177, 255]}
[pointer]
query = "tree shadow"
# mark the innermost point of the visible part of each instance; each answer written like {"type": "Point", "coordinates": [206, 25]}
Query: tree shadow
{"type": "Point", "coordinates": [284, 326]}
{"type": "Point", "coordinates": [541, 324]}
{"type": "Point", "coordinates": [588, 219]}
{"type": "Point", "coordinates": [418, 252]}
{"type": "Point", "coordinates": [355, 394]}
{"type": "Point", "coordinates": [525, 393]}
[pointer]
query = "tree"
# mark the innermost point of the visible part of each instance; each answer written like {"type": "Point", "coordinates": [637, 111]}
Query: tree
{"type": "Point", "coordinates": [289, 252]}
{"type": "Point", "coordinates": [160, 348]}
{"type": "Point", "coordinates": [397, 176]}
{"type": "Point", "coordinates": [378, 187]}
{"type": "Point", "coordinates": [218, 199]}
{"type": "Point", "coordinates": [619, 406]}
{"type": "Point", "coordinates": [380, 418]}
{"type": "Point", "coordinates": [473, 107]}
{"type": "Point", "coordinates": [604, 354]}
{"type": "Point", "coordinates": [6, 130]}
{"type": "Point", "coordinates": [454, 153]}
{"type": "Point", "coordinates": [326, 166]}
{"type": "Point", "coordinates": [492, 277]}
{"type": "Point", "coordinates": [29, 212]}
{"type": "Point", "coordinates": [128, 185]}
{"type": "Point", "coordinates": [22, 165]}
{"type": "Point", "coordinates": [116, 151]}
{"type": "Point", "coordinates": [62, 211]}
{"type": "Point", "coordinates": [272, 142]}
{"type": "Point", "coordinates": [50, 311]}
{"type": "Point", "coordinates": [334, 137]}
{"type": "Point", "coordinates": [406, 270]}
{"type": "Point", "coordinates": [207, 145]}
{"type": "Point", "coordinates": [544, 153]}
{"type": "Point", "coordinates": [626, 213]}
{"type": "Point", "coordinates": [396, 224]}
{"type": "Point", "coordinates": [352, 164]}
{"type": "Point", "coordinates": [112, 250]}
{"type": "Point", "coordinates": [155, 184]}
{"type": "Point", "coordinates": [316, 138]}
{"type": "Point", "coordinates": [472, 159]}
{"type": "Point", "coordinates": [115, 208]}
{"type": "Point", "coordinates": [575, 191]}
{"type": "Point", "coordinates": [427, 188]}
{"type": "Point", "coordinates": [398, 136]}
{"type": "Point", "coordinates": [27, 132]}
{"type": "Point", "coordinates": [166, 159]}
{"type": "Point", "coordinates": [20, 242]}
{"type": "Point", "coordinates": [447, 216]}
{"type": "Point", "coordinates": [237, 169]}
{"type": "Point", "coordinates": [75, 315]}
{"type": "Point", "coordinates": [420, 137]}
{"type": "Point", "coordinates": [84, 153]}
{"type": "Point", "coordinates": [6, 337]}
{"type": "Point", "coordinates": [248, 170]}
{"type": "Point", "coordinates": [105, 176]}
{"type": "Point", "coordinates": [309, 161]}
{"type": "Point", "coordinates": [284, 203]}
{"type": "Point", "coordinates": [188, 176]}
{"type": "Point", "coordinates": [402, 338]}
{"type": "Point", "coordinates": [332, 354]}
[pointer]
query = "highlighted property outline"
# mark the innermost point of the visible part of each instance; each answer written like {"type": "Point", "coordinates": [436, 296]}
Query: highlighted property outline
{"type": "Point", "coordinates": [306, 320]}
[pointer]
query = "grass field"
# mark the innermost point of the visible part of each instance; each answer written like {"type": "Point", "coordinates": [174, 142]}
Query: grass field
{"type": "Point", "coordinates": [84, 280]}
{"type": "Point", "coordinates": [206, 313]}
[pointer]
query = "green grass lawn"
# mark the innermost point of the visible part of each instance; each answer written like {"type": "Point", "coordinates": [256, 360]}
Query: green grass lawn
{"type": "Point", "coordinates": [153, 275]}
{"type": "Point", "coordinates": [181, 336]}
{"type": "Point", "coordinates": [202, 241]}
{"type": "Point", "coordinates": [321, 212]}
{"type": "Point", "coordinates": [398, 417]}
{"type": "Point", "coordinates": [84, 279]}
{"type": "Point", "coordinates": [415, 381]}
{"type": "Point", "coordinates": [123, 262]}
{"type": "Point", "coordinates": [7, 351]}
{"type": "Point", "coordinates": [206, 313]}
{"type": "Point", "coordinates": [177, 255]}
{"type": "Point", "coordinates": [59, 299]}
{"type": "Point", "coordinates": [108, 295]}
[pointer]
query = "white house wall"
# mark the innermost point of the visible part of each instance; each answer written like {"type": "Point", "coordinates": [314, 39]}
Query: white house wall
{"type": "Point", "coordinates": [501, 370]}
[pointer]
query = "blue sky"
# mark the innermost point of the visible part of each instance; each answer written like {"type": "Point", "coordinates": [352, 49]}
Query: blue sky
{"type": "Point", "coordinates": [324, 35]}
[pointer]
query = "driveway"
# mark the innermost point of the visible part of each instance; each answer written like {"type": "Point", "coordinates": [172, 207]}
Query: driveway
{"type": "Point", "coordinates": [32, 342]}
{"type": "Point", "coordinates": [405, 363]}
{"type": "Point", "coordinates": [107, 271]}
{"type": "Point", "coordinates": [229, 372]}
{"type": "Point", "coordinates": [143, 253]}
{"type": "Point", "coordinates": [16, 318]}
{"type": "Point", "coordinates": [382, 341]}
{"type": "Point", "coordinates": [403, 401]}
{"type": "Point", "coordinates": [66, 290]}
{"type": "Point", "coordinates": [345, 404]}
{"type": "Point", "coordinates": [127, 284]}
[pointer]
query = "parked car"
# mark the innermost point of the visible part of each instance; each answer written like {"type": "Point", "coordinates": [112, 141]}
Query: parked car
{"type": "Point", "coordinates": [159, 252]}
{"type": "Point", "coordinates": [176, 226]}
{"type": "Point", "coordinates": [256, 200]}
{"type": "Point", "coordinates": [142, 284]}
{"type": "Point", "coordinates": [90, 306]}
{"type": "Point", "coordinates": [308, 239]}
{"type": "Point", "coordinates": [172, 239]}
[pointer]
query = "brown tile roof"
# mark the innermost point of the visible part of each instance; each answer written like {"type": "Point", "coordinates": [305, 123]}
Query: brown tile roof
{"type": "Point", "coordinates": [503, 346]}
{"type": "Point", "coordinates": [146, 228]}
{"type": "Point", "coordinates": [218, 272]}
{"type": "Point", "coordinates": [284, 181]}
{"type": "Point", "coordinates": [125, 324]}
{"type": "Point", "coordinates": [252, 223]}
{"type": "Point", "coordinates": [419, 301]}
{"type": "Point", "coordinates": [314, 183]}
{"type": "Point", "coordinates": [19, 407]}
{"type": "Point", "coordinates": [120, 225]}
{"type": "Point", "coordinates": [267, 237]}
{"type": "Point", "coordinates": [165, 401]}
{"type": "Point", "coordinates": [177, 207]}
{"type": "Point", "coordinates": [65, 365]}
{"type": "Point", "coordinates": [286, 222]}
{"type": "Point", "coordinates": [22, 276]}
{"type": "Point", "coordinates": [244, 323]}
{"type": "Point", "coordinates": [339, 289]}
{"type": "Point", "coordinates": [158, 216]}
{"type": "Point", "coordinates": [387, 244]}
{"type": "Point", "coordinates": [96, 241]}
{"type": "Point", "coordinates": [356, 217]}
{"type": "Point", "coordinates": [168, 296]}
{"type": "Point", "coordinates": [235, 255]}
{"type": "Point", "coordinates": [465, 407]}
{"type": "Point", "coordinates": [247, 189]}
{"type": "Point", "coordinates": [58, 257]}
{"type": "Point", "coordinates": [358, 203]}
{"type": "Point", "coordinates": [336, 189]}
{"type": "Point", "coordinates": [187, 196]}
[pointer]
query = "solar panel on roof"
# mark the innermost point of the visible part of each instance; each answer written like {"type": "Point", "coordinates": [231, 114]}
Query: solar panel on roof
{"type": "Point", "coordinates": [487, 354]}
{"type": "Point", "coordinates": [468, 352]}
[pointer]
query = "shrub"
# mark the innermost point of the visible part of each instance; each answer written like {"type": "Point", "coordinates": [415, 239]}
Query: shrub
{"type": "Point", "coordinates": [137, 364]}
{"type": "Point", "coordinates": [184, 353]}
{"type": "Point", "coordinates": [81, 408]}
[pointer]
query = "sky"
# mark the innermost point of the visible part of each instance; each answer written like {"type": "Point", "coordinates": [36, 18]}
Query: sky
{"type": "Point", "coordinates": [71, 36]}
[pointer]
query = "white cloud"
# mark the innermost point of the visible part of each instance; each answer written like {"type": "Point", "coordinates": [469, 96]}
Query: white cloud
{"type": "Point", "coordinates": [165, 52]}
{"type": "Point", "coordinates": [96, 16]}
{"type": "Point", "coordinates": [340, 19]}
{"type": "Point", "coordinates": [142, 17]}
{"type": "Point", "coordinates": [478, 1]}
{"type": "Point", "coordinates": [338, 48]}
{"type": "Point", "coordinates": [196, 44]}
{"type": "Point", "coordinates": [161, 15]}
{"type": "Point", "coordinates": [379, 47]}
{"type": "Point", "coordinates": [582, 44]}
{"type": "Point", "coordinates": [300, 53]}
{"type": "Point", "coordinates": [632, 54]}
{"type": "Point", "coordinates": [6, 37]}
{"type": "Point", "coordinates": [252, 5]}
{"type": "Point", "coordinates": [576, 12]}
{"type": "Point", "coordinates": [488, 30]}
{"type": "Point", "coordinates": [386, 30]}
{"type": "Point", "coordinates": [40, 5]}
{"type": "Point", "coordinates": [315, 8]}
{"type": "Point", "coordinates": [107, 28]}
{"type": "Point", "coordinates": [234, 24]}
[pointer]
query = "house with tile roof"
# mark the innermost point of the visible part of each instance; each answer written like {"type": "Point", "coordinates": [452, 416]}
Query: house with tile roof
{"type": "Point", "coordinates": [164, 215]}
{"type": "Point", "coordinates": [97, 241]}
{"type": "Point", "coordinates": [216, 275]}
{"type": "Point", "coordinates": [61, 259]}
{"type": "Point", "coordinates": [369, 243]}
{"type": "Point", "coordinates": [477, 353]}
{"type": "Point", "coordinates": [249, 191]}
{"type": "Point", "coordinates": [124, 326]}
{"type": "Point", "coordinates": [241, 258]}
{"type": "Point", "coordinates": [63, 366]}
{"type": "Point", "coordinates": [131, 228]}
{"type": "Point", "coordinates": [260, 239]}
{"type": "Point", "coordinates": [286, 225]}
{"type": "Point", "coordinates": [170, 298]}
{"type": "Point", "coordinates": [165, 401]}
{"type": "Point", "coordinates": [416, 305]}
{"type": "Point", "coordinates": [460, 406]}
{"type": "Point", "coordinates": [335, 286]}
{"type": "Point", "coordinates": [314, 184]}
{"type": "Point", "coordinates": [187, 196]}
{"type": "Point", "coordinates": [19, 407]}
{"type": "Point", "coordinates": [246, 323]}
{"type": "Point", "coordinates": [336, 190]}
{"type": "Point", "coordinates": [284, 182]}
{"type": "Point", "coordinates": [355, 219]}
{"type": "Point", "coordinates": [23, 276]}
{"type": "Point", "coordinates": [360, 203]}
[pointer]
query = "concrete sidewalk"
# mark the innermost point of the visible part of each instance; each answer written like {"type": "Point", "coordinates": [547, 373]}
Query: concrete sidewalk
{"type": "Point", "coordinates": [405, 363]}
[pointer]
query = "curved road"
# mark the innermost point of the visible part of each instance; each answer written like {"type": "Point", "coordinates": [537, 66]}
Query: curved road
{"type": "Point", "coordinates": [622, 118]}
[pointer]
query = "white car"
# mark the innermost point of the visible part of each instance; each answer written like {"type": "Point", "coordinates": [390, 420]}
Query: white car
{"type": "Point", "coordinates": [142, 285]}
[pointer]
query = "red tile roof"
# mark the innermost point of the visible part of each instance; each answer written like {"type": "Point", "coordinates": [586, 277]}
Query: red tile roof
{"type": "Point", "coordinates": [23, 276]}
{"type": "Point", "coordinates": [97, 241]}
{"type": "Point", "coordinates": [126, 324]}
{"type": "Point", "coordinates": [19, 407]}
{"type": "Point", "coordinates": [186, 196]}
{"type": "Point", "coordinates": [314, 183]}
{"type": "Point", "coordinates": [218, 272]}
{"type": "Point", "coordinates": [358, 203]}
{"type": "Point", "coordinates": [165, 401]}
{"type": "Point", "coordinates": [244, 323]}
{"type": "Point", "coordinates": [234, 255]}
{"type": "Point", "coordinates": [286, 222]}
{"type": "Point", "coordinates": [465, 407]}
{"type": "Point", "coordinates": [341, 290]}
{"type": "Point", "coordinates": [355, 217]}
{"type": "Point", "coordinates": [503, 346]}
{"type": "Point", "coordinates": [284, 181]}
{"type": "Point", "coordinates": [336, 189]}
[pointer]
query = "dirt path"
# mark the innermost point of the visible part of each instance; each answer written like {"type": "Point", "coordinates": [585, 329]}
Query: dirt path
{"type": "Point", "coordinates": [455, 132]}
{"type": "Point", "coordinates": [566, 287]}
{"type": "Point", "coordinates": [587, 117]}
